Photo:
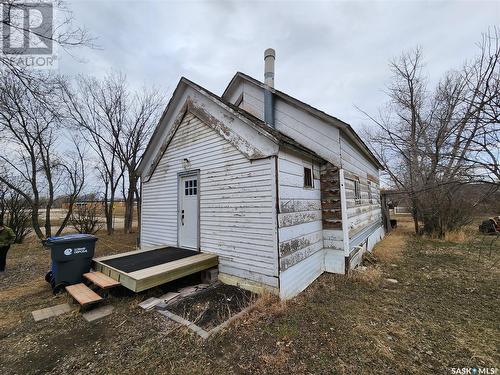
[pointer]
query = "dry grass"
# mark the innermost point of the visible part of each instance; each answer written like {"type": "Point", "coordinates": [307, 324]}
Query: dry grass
{"type": "Point", "coordinates": [267, 304]}
{"type": "Point", "coordinates": [442, 313]}
{"type": "Point", "coordinates": [457, 236]}
{"type": "Point", "coordinates": [277, 359]}
{"type": "Point", "coordinates": [461, 235]}
{"type": "Point", "coordinates": [371, 275]}
{"type": "Point", "coordinates": [393, 246]}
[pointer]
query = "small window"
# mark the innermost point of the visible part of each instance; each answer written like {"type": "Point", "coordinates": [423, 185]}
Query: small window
{"type": "Point", "coordinates": [191, 187]}
{"type": "Point", "coordinates": [370, 196]}
{"type": "Point", "coordinates": [308, 178]}
{"type": "Point", "coordinates": [357, 192]}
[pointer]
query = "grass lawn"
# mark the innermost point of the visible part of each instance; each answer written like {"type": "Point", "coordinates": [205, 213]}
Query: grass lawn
{"type": "Point", "coordinates": [443, 312]}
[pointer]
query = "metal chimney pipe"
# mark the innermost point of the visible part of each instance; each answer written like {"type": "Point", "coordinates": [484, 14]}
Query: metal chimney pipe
{"type": "Point", "coordinates": [269, 57]}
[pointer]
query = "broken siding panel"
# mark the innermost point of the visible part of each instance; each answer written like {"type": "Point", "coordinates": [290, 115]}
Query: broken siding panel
{"type": "Point", "coordinates": [299, 218]}
{"type": "Point", "coordinates": [366, 244]}
{"type": "Point", "coordinates": [236, 202]}
{"type": "Point", "coordinates": [360, 214]}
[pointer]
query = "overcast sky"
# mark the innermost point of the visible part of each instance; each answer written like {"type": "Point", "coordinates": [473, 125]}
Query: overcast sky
{"type": "Point", "coordinates": [332, 55]}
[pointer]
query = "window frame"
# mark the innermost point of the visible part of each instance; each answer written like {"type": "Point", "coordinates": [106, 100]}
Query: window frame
{"type": "Point", "coordinates": [190, 187]}
{"type": "Point", "coordinates": [311, 177]}
{"type": "Point", "coordinates": [370, 193]}
{"type": "Point", "coordinates": [357, 192]}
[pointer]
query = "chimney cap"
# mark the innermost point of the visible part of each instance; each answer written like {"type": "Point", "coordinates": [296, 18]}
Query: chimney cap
{"type": "Point", "coordinates": [269, 53]}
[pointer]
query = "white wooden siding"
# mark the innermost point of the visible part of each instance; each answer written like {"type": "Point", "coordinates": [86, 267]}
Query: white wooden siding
{"type": "Point", "coordinates": [299, 218]}
{"type": "Point", "coordinates": [237, 202]}
{"type": "Point", "coordinates": [298, 277]}
{"type": "Point", "coordinates": [356, 166]}
{"type": "Point", "coordinates": [328, 142]}
{"type": "Point", "coordinates": [362, 216]}
{"type": "Point", "coordinates": [306, 129]}
{"type": "Point", "coordinates": [334, 261]}
{"type": "Point", "coordinates": [334, 146]}
{"type": "Point", "coordinates": [354, 161]}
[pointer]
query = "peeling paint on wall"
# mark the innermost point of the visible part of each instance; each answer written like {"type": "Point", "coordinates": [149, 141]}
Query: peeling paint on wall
{"type": "Point", "coordinates": [224, 130]}
{"type": "Point", "coordinates": [297, 205]}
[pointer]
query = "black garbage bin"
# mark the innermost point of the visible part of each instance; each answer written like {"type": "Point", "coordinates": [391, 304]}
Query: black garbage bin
{"type": "Point", "coordinates": [71, 257]}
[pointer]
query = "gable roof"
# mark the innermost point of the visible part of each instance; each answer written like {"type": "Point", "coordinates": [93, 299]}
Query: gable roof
{"type": "Point", "coordinates": [279, 137]}
{"type": "Point", "coordinates": [345, 127]}
{"type": "Point", "coordinates": [255, 123]}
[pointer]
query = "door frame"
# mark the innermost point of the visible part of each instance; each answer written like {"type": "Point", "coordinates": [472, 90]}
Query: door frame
{"type": "Point", "coordinates": [180, 175]}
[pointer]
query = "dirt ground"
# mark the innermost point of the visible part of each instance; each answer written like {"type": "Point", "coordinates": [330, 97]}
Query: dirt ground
{"type": "Point", "coordinates": [443, 312]}
{"type": "Point", "coordinates": [213, 306]}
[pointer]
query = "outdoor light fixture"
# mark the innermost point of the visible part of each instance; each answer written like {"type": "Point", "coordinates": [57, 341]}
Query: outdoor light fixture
{"type": "Point", "coordinates": [186, 163]}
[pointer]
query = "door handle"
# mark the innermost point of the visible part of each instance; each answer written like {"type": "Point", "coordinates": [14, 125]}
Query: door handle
{"type": "Point", "coordinates": [182, 217]}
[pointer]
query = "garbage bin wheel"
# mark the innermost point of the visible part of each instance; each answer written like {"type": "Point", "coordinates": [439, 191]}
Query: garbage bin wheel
{"type": "Point", "coordinates": [59, 287]}
{"type": "Point", "coordinates": [48, 276]}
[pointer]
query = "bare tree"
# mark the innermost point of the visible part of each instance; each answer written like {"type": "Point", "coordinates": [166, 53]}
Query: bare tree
{"type": "Point", "coordinates": [15, 213]}
{"type": "Point", "coordinates": [141, 117]}
{"type": "Point", "coordinates": [432, 142]}
{"type": "Point", "coordinates": [97, 110]}
{"type": "Point", "coordinates": [3, 196]}
{"type": "Point", "coordinates": [30, 164]}
{"type": "Point", "coordinates": [483, 79]}
{"type": "Point", "coordinates": [85, 218]}
{"type": "Point", "coordinates": [117, 124]}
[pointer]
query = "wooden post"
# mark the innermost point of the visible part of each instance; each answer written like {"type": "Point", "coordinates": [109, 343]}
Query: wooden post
{"type": "Point", "coordinates": [345, 223]}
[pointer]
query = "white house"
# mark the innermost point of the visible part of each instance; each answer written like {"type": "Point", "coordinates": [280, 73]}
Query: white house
{"type": "Point", "coordinates": [279, 190]}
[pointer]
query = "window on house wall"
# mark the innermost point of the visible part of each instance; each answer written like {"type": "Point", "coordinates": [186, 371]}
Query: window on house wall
{"type": "Point", "coordinates": [370, 196]}
{"type": "Point", "coordinates": [308, 177]}
{"type": "Point", "coordinates": [191, 187]}
{"type": "Point", "coordinates": [357, 192]}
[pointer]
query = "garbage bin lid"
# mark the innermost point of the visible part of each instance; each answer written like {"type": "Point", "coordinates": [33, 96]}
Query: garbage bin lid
{"type": "Point", "coordinates": [70, 238]}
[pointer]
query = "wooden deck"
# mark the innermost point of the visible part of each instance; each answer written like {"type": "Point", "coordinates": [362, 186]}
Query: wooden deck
{"type": "Point", "coordinates": [150, 277]}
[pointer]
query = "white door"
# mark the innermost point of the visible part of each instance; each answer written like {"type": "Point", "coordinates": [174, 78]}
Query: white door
{"type": "Point", "coordinates": [188, 211]}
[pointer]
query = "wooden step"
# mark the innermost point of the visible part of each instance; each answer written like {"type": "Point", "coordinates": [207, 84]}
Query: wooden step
{"type": "Point", "coordinates": [83, 294]}
{"type": "Point", "coordinates": [101, 280]}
